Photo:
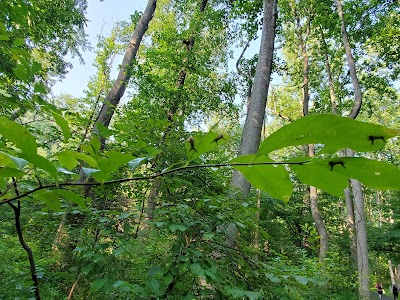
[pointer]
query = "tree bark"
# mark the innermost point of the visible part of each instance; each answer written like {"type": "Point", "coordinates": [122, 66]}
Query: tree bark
{"type": "Point", "coordinates": [350, 61]}
{"type": "Point", "coordinates": [329, 75]}
{"type": "Point", "coordinates": [313, 194]}
{"type": "Point", "coordinates": [360, 222]}
{"type": "Point", "coordinates": [118, 89]}
{"type": "Point", "coordinates": [251, 135]}
{"type": "Point", "coordinates": [319, 222]}
{"type": "Point", "coordinates": [351, 227]}
{"type": "Point", "coordinates": [391, 272]}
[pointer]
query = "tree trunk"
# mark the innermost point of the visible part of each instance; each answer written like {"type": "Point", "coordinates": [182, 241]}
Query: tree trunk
{"type": "Point", "coordinates": [313, 194]}
{"type": "Point", "coordinates": [391, 272]}
{"type": "Point", "coordinates": [360, 223]}
{"type": "Point", "coordinates": [319, 222]}
{"type": "Point", "coordinates": [351, 227]}
{"type": "Point", "coordinates": [329, 75]}
{"type": "Point", "coordinates": [251, 135]}
{"type": "Point", "coordinates": [118, 89]}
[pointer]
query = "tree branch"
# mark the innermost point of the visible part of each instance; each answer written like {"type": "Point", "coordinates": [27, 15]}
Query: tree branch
{"type": "Point", "coordinates": [150, 177]}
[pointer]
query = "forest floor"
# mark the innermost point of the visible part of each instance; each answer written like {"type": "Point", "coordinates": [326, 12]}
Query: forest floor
{"type": "Point", "coordinates": [374, 295]}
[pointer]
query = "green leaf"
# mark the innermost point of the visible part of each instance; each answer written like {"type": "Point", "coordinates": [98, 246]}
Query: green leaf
{"type": "Point", "coordinates": [197, 269]}
{"type": "Point", "coordinates": [236, 293]}
{"type": "Point", "coordinates": [301, 279]}
{"type": "Point", "coordinates": [253, 295]}
{"type": "Point", "coordinates": [174, 227]}
{"type": "Point", "coordinates": [335, 132]}
{"type": "Point", "coordinates": [198, 145]}
{"type": "Point", "coordinates": [18, 135]}
{"type": "Point", "coordinates": [22, 73]}
{"type": "Point", "coordinates": [19, 162]}
{"type": "Point", "coordinates": [98, 283]}
{"type": "Point", "coordinates": [65, 171]}
{"type": "Point", "coordinates": [135, 162]}
{"type": "Point", "coordinates": [68, 159]}
{"type": "Point", "coordinates": [110, 164]}
{"type": "Point", "coordinates": [50, 198]}
{"type": "Point", "coordinates": [10, 172]}
{"type": "Point", "coordinates": [88, 171]}
{"type": "Point", "coordinates": [375, 174]}
{"type": "Point", "coordinates": [315, 174]}
{"type": "Point", "coordinates": [63, 125]}
{"type": "Point", "coordinates": [71, 196]}
{"type": "Point", "coordinates": [18, 42]}
{"type": "Point", "coordinates": [168, 278]}
{"type": "Point", "coordinates": [40, 88]}
{"type": "Point", "coordinates": [41, 163]}
{"type": "Point", "coordinates": [5, 159]}
{"type": "Point", "coordinates": [273, 179]}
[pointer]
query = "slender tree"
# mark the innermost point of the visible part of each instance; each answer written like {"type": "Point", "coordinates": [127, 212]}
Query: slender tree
{"type": "Point", "coordinates": [251, 135]}
{"type": "Point", "coordinates": [360, 219]}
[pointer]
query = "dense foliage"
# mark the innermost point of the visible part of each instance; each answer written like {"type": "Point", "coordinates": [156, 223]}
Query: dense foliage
{"type": "Point", "coordinates": [143, 207]}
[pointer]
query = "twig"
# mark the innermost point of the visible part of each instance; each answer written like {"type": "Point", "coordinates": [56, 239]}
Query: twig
{"type": "Point", "coordinates": [139, 178]}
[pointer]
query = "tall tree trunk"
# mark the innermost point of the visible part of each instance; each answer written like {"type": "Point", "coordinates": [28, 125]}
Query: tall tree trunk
{"type": "Point", "coordinates": [251, 135]}
{"type": "Point", "coordinates": [350, 223]}
{"type": "Point", "coordinates": [118, 89]}
{"type": "Point", "coordinates": [360, 222]}
{"type": "Point", "coordinates": [313, 194]}
{"type": "Point", "coordinates": [329, 75]}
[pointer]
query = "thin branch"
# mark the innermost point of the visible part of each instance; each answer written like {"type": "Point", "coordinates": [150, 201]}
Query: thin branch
{"type": "Point", "coordinates": [139, 178]}
{"type": "Point", "coordinates": [24, 245]}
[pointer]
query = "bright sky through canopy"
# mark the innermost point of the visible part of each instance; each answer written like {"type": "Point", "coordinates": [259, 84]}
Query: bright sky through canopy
{"type": "Point", "coordinates": [102, 16]}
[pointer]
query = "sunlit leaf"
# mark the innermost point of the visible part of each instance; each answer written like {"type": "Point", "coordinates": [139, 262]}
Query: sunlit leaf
{"type": "Point", "coordinates": [18, 135]}
{"type": "Point", "coordinates": [135, 162]}
{"type": "Point", "coordinates": [88, 171]}
{"type": "Point", "coordinates": [63, 125]}
{"type": "Point", "coordinates": [273, 179]}
{"type": "Point", "coordinates": [19, 162]}
{"type": "Point", "coordinates": [110, 164]}
{"type": "Point", "coordinates": [313, 173]}
{"type": "Point", "coordinates": [68, 159]}
{"type": "Point", "coordinates": [375, 174]}
{"type": "Point", "coordinates": [197, 145]}
{"type": "Point", "coordinates": [334, 131]}
{"type": "Point", "coordinates": [65, 171]}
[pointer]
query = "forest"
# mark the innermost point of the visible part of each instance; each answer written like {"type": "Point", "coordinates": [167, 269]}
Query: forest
{"type": "Point", "coordinates": [194, 167]}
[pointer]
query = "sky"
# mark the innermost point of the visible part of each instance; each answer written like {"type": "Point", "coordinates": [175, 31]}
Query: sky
{"type": "Point", "coordinates": [102, 16]}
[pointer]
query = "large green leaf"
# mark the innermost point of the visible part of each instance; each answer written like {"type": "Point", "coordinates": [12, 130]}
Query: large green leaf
{"type": "Point", "coordinates": [315, 174]}
{"type": "Point", "coordinates": [69, 159]}
{"type": "Point", "coordinates": [10, 172]}
{"type": "Point", "coordinates": [110, 164]}
{"type": "Point", "coordinates": [18, 135]}
{"type": "Point", "coordinates": [19, 162]}
{"type": "Point", "coordinates": [63, 125]}
{"type": "Point", "coordinates": [375, 174]}
{"type": "Point", "coordinates": [41, 163]}
{"type": "Point", "coordinates": [335, 132]}
{"type": "Point", "coordinates": [273, 179]}
{"type": "Point", "coordinates": [198, 145]}
{"type": "Point", "coordinates": [50, 198]}
{"type": "Point", "coordinates": [72, 197]}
